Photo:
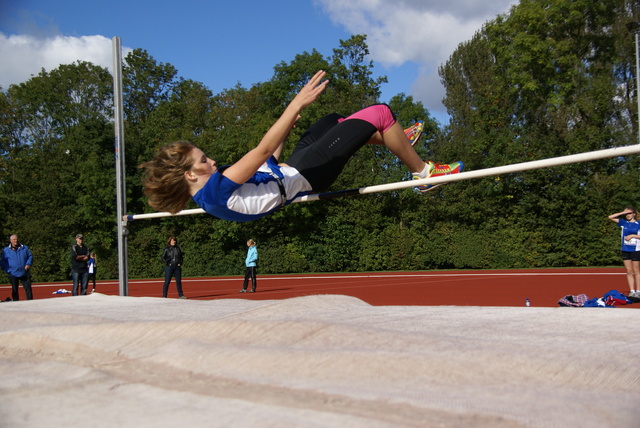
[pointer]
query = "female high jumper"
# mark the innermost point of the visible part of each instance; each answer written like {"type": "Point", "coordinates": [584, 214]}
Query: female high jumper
{"type": "Point", "coordinates": [257, 185]}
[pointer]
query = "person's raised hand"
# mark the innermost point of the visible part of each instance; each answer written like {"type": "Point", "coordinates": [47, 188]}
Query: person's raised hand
{"type": "Point", "coordinates": [309, 92]}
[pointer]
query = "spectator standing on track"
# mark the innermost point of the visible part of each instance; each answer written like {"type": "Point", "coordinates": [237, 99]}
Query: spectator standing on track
{"type": "Point", "coordinates": [92, 267]}
{"type": "Point", "coordinates": [630, 255]}
{"type": "Point", "coordinates": [16, 261]}
{"type": "Point", "coordinates": [79, 259]}
{"type": "Point", "coordinates": [251, 263]}
{"type": "Point", "coordinates": [172, 258]}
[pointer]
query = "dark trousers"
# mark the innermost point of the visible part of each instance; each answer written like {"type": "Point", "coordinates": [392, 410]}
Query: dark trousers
{"type": "Point", "coordinates": [26, 284]}
{"type": "Point", "coordinates": [83, 279]}
{"type": "Point", "coordinates": [170, 271]}
{"type": "Point", "coordinates": [250, 273]}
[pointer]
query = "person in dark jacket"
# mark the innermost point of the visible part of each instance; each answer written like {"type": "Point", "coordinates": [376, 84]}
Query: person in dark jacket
{"type": "Point", "coordinates": [16, 261]}
{"type": "Point", "coordinates": [172, 258]}
{"type": "Point", "coordinates": [79, 253]}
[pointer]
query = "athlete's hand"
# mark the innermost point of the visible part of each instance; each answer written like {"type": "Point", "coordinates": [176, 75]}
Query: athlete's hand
{"type": "Point", "coordinates": [271, 143]}
{"type": "Point", "coordinates": [309, 92]}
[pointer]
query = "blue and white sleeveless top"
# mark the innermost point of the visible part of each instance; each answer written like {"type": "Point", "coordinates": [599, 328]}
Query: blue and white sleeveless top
{"type": "Point", "coordinates": [259, 196]}
{"type": "Point", "coordinates": [629, 228]}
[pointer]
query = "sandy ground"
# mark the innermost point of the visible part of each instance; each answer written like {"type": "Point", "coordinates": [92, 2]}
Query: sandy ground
{"type": "Point", "coordinates": [315, 361]}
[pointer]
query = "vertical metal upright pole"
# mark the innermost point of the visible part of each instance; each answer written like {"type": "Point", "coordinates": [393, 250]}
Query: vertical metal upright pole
{"type": "Point", "coordinates": [121, 194]}
{"type": "Point", "coordinates": [638, 79]}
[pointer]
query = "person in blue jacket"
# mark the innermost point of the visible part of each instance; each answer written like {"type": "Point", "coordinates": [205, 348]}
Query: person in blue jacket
{"type": "Point", "coordinates": [16, 261]}
{"type": "Point", "coordinates": [629, 249]}
{"type": "Point", "coordinates": [251, 262]}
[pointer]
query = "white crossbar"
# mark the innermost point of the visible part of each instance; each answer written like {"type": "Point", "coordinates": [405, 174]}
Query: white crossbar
{"type": "Point", "coordinates": [487, 172]}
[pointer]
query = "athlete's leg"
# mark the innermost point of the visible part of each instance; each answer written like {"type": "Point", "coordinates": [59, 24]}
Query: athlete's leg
{"type": "Point", "coordinates": [317, 130]}
{"type": "Point", "coordinates": [391, 134]}
{"type": "Point", "coordinates": [628, 265]}
{"type": "Point", "coordinates": [396, 141]}
{"type": "Point", "coordinates": [636, 275]}
{"type": "Point", "coordinates": [322, 161]}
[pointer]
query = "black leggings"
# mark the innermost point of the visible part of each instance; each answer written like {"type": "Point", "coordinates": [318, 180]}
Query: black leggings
{"type": "Point", "coordinates": [324, 149]}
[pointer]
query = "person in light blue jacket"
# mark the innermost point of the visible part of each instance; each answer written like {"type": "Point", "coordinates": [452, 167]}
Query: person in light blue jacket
{"type": "Point", "coordinates": [16, 261]}
{"type": "Point", "coordinates": [251, 262]}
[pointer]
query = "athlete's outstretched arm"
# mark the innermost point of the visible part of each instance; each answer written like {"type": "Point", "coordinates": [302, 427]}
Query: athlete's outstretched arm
{"type": "Point", "coordinates": [244, 169]}
{"type": "Point", "coordinates": [280, 148]}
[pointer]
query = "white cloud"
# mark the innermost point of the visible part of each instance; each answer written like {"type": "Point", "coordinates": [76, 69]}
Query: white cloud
{"type": "Point", "coordinates": [29, 55]}
{"type": "Point", "coordinates": [425, 32]}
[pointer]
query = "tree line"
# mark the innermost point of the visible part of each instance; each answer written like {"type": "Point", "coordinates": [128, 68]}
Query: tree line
{"type": "Point", "coordinates": [546, 79]}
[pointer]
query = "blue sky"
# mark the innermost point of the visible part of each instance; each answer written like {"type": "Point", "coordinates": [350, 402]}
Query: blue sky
{"type": "Point", "coordinates": [222, 43]}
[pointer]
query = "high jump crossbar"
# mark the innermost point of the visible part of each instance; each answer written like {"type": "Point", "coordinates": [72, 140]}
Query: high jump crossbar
{"type": "Point", "coordinates": [487, 172]}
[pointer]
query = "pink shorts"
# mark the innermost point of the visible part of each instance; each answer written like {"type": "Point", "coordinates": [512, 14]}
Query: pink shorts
{"type": "Point", "coordinates": [379, 115]}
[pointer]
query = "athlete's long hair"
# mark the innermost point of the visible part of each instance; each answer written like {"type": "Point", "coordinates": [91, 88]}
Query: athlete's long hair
{"type": "Point", "coordinates": [165, 184]}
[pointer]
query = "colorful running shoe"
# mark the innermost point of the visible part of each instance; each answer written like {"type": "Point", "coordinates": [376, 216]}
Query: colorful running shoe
{"type": "Point", "coordinates": [414, 132]}
{"type": "Point", "coordinates": [436, 170]}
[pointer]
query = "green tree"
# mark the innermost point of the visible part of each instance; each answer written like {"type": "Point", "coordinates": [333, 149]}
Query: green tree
{"type": "Point", "coordinates": [145, 84]}
{"type": "Point", "coordinates": [545, 80]}
{"type": "Point", "coordinates": [58, 164]}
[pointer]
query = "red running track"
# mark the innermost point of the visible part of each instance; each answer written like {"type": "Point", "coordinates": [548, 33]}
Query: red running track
{"type": "Point", "coordinates": [544, 287]}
